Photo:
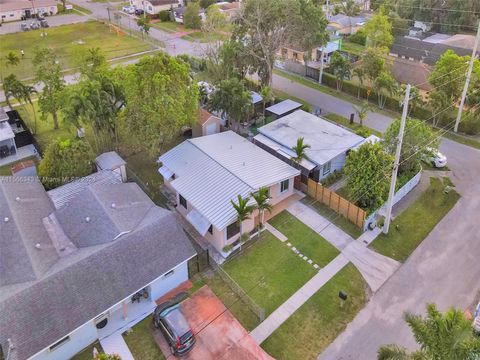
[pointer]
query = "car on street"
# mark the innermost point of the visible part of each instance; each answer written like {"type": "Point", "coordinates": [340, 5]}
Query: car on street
{"type": "Point", "coordinates": [168, 317]}
{"type": "Point", "coordinates": [128, 9]}
{"type": "Point", "coordinates": [436, 158]}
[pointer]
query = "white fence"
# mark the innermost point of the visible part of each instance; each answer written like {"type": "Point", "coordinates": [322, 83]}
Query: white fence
{"type": "Point", "coordinates": [399, 195]}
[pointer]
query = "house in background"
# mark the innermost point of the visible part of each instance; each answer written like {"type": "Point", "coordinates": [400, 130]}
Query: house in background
{"type": "Point", "coordinates": [329, 143]}
{"type": "Point", "coordinates": [229, 9]}
{"type": "Point", "coordinates": [82, 262]}
{"type": "Point", "coordinates": [14, 10]}
{"type": "Point", "coordinates": [282, 108]}
{"type": "Point", "coordinates": [153, 7]}
{"type": "Point", "coordinates": [179, 12]}
{"type": "Point", "coordinates": [207, 124]}
{"type": "Point", "coordinates": [207, 173]}
{"type": "Point", "coordinates": [347, 25]}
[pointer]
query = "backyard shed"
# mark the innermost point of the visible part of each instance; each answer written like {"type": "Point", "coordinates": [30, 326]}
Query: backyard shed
{"type": "Point", "coordinates": [282, 108]}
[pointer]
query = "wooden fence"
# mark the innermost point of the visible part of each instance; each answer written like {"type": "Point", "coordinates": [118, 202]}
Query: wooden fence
{"type": "Point", "coordinates": [337, 203]}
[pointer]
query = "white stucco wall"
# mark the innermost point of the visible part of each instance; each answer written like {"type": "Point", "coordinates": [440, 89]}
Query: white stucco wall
{"type": "Point", "coordinates": [168, 282]}
{"type": "Point", "coordinates": [337, 164]}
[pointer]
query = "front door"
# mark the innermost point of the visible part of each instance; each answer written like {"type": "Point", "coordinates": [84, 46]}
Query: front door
{"type": "Point", "coordinates": [28, 14]}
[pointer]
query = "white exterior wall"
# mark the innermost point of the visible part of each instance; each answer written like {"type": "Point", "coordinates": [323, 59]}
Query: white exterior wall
{"type": "Point", "coordinates": [79, 340]}
{"type": "Point", "coordinates": [88, 333]}
{"type": "Point", "coordinates": [337, 164]}
{"type": "Point", "coordinates": [16, 15]}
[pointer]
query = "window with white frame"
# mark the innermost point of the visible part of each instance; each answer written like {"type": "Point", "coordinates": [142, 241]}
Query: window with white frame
{"type": "Point", "coordinates": [327, 168]}
{"type": "Point", "coordinates": [284, 185]}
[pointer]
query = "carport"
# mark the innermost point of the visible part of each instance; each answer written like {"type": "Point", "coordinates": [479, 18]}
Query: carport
{"type": "Point", "coordinates": [219, 335]}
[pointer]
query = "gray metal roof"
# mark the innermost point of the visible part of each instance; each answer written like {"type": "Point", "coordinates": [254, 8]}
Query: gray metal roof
{"type": "Point", "coordinates": [109, 161]}
{"type": "Point", "coordinates": [326, 139]}
{"type": "Point", "coordinates": [283, 107]}
{"type": "Point", "coordinates": [78, 287]}
{"type": "Point", "coordinates": [212, 170]}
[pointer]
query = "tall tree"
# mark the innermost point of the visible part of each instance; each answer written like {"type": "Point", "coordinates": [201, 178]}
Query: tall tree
{"type": "Point", "coordinates": [264, 26]}
{"type": "Point", "coordinates": [267, 96]}
{"type": "Point", "coordinates": [418, 141]}
{"type": "Point", "coordinates": [385, 85]}
{"type": "Point", "coordinates": [373, 63]}
{"type": "Point", "coordinates": [379, 30]}
{"type": "Point", "coordinates": [11, 60]}
{"type": "Point", "coordinates": [161, 98]}
{"type": "Point", "coordinates": [233, 99]}
{"type": "Point", "coordinates": [360, 75]}
{"type": "Point", "coordinates": [341, 68]}
{"type": "Point", "coordinates": [437, 102]}
{"type": "Point", "coordinates": [226, 61]}
{"type": "Point", "coordinates": [300, 150]}
{"type": "Point", "coordinates": [262, 199]}
{"type": "Point", "coordinates": [214, 20]}
{"type": "Point", "coordinates": [191, 17]}
{"type": "Point", "coordinates": [367, 170]}
{"type": "Point", "coordinates": [441, 336]}
{"type": "Point", "coordinates": [244, 210]}
{"type": "Point", "coordinates": [48, 73]}
{"type": "Point", "coordinates": [362, 111]}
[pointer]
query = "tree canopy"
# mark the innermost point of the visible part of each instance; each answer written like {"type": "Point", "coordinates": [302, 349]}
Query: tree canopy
{"type": "Point", "coordinates": [64, 160]}
{"type": "Point", "coordinates": [379, 30]}
{"type": "Point", "coordinates": [191, 17]}
{"type": "Point", "coordinates": [367, 170]}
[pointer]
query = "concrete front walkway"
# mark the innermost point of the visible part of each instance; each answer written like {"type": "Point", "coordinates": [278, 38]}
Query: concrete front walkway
{"type": "Point", "coordinates": [284, 311]}
{"type": "Point", "coordinates": [115, 344]}
{"type": "Point", "coordinates": [375, 268]}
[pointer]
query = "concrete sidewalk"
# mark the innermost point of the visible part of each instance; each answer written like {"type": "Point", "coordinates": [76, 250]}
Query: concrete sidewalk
{"type": "Point", "coordinates": [115, 344]}
{"type": "Point", "coordinates": [282, 313]}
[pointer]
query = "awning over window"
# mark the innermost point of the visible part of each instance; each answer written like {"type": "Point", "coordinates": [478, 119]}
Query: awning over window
{"type": "Point", "coordinates": [198, 221]}
{"type": "Point", "coordinates": [165, 172]}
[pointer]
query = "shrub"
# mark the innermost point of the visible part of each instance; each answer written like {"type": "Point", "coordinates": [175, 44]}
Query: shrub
{"type": "Point", "coordinates": [227, 248]}
{"type": "Point", "coordinates": [470, 124]}
{"type": "Point", "coordinates": [332, 178]}
{"type": "Point", "coordinates": [359, 37]}
{"type": "Point", "coordinates": [164, 15]}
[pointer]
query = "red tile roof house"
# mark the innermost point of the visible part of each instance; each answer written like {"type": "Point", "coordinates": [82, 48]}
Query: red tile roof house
{"type": "Point", "coordinates": [72, 258]}
{"type": "Point", "coordinates": [207, 173]}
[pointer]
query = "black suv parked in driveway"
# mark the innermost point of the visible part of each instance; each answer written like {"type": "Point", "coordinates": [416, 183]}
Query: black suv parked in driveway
{"type": "Point", "coordinates": [169, 319]}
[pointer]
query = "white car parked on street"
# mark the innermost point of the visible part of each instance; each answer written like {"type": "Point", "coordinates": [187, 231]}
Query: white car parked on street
{"type": "Point", "coordinates": [436, 158]}
{"type": "Point", "coordinates": [128, 9]}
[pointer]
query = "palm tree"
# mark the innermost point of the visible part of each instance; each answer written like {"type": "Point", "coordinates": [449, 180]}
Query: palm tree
{"type": "Point", "coordinates": [244, 210]}
{"type": "Point", "coordinates": [362, 111]}
{"type": "Point", "coordinates": [22, 93]}
{"type": "Point", "coordinates": [262, 198]}
{"type": "Point", "coordinates": [27, 92]}
{"type": "Point", "coordinates": [11, 59]}
{"type": "Point", "coordinates": [300, 150]}
{"type": "Point", "coordinates": [440, 336]}
{"type": "Point", "coordinates": [267, 96]}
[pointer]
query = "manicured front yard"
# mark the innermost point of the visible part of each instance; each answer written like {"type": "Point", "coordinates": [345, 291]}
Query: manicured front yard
{"type": "Point", "coordinates": [68, 42]}
{"type": "Point", "coordinates": [141, 343]}
{"type": "Point", "coordinates": [409, 229]}
{"type": "Point", "coordinates": [169, 26]}
{"type": "Point", "coordinates": [204, 37]}
{"type": "Point", "coordinates": [269, 272]}
{"type": "Point", "coordinates": [307, 241]}
{"type": "Point", "coordinates": [347, 226]}
{"type": "Point", "coordinates": [320, 320]}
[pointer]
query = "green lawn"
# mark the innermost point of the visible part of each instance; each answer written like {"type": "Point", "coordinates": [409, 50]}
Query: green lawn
{"type": "Point", "coordinates": [306, 240]}
{"type": "Point", "coordinates": [269, 272]}
{"type": "Point", "coordinates": [347, 226]}
{"type": "Point", "coordinates": [353, 48]}
{"type": "Point", "coordinates": [320, 320]}
{"type": "Point", "coordinates": [409, 229]}
{"type": "Point", "coordinates": [79, 10]}
{"type": "Point", "coordinates": [69, 42]}
{"type": "Point", "coordinates": [204, 37]}
{"type": "Point", "coordinates": [169, 26]}
{"type": "Point", "coordinates": [87, 353]}
{"type": "Point", "coordinates": [355, 126]}
{"type": "Point", "coordinates": [141, 343]}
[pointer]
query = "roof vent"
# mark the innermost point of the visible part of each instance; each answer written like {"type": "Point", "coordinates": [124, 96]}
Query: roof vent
{"type": "Point", "coordinates": [6, 219]}
{"type": "Point", "coordinates": [38, 246]}
{"type": "Point", "coordinates": [87, 219]}
{"type": "Point", "coordinates": [244, 163]}
{"type": "Point", "coordinates": [17, 198]}
{"type": "Point", "coordinates": [113, 206]}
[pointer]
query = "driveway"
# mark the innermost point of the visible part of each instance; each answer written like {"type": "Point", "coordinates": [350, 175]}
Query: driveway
{"type": "Point", "coordinates": [444, 269]}
{"type": "Point", "coordinates": [56, 20]}
{"type": "Point", "coordinates": [219, 335]}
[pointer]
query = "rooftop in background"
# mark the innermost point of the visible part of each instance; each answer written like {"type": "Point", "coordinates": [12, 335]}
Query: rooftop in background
{"type": "Point", "coordinates": [109, 161]}
{"type": "Point", "coordinates": [6, 131]}
{"type": "Point", "coordinates": [3, 114]}
{"type": "Point", "coordinates": [212, 170]}
{"type": "Point", "coordinates": [345, 20]}
{"type": "Point", "coordinates": [12, 5]}
{"type": "Point", "coordinates": [326, 139]}
{"type": "Point", "coordinates": [256, 97]}
{"type": "Point", "coordinates": [204, 116]}
{"type": "Point", "coordinates": [283, 107]}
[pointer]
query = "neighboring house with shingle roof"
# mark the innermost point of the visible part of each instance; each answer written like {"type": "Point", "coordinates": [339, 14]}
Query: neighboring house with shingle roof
{"type": "Point", "coordinates": [70, 262]}
{"type": "Point", "coordinates": [208, 172]}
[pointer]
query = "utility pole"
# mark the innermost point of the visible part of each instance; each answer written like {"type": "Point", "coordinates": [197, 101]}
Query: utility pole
{"type": "Point", "coordinates": [322, 55]}
{"type": "Point", "coordinates": [388, 215]}
{"type": "Point", "coordinates": [467, 80]}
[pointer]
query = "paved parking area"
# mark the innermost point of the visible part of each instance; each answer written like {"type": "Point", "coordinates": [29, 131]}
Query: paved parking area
{"type": "Point", "coordinates": [219, 335]}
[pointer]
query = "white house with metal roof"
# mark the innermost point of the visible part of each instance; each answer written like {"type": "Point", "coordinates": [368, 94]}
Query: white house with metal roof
{"type": "Point", "coordinates": [329, 143]}
{"type": "Point", "coordinates": [209, 172]}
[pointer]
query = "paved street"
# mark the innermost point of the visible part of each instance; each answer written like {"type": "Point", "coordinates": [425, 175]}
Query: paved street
{"type": "Point", "coordinates": [57, 20]}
